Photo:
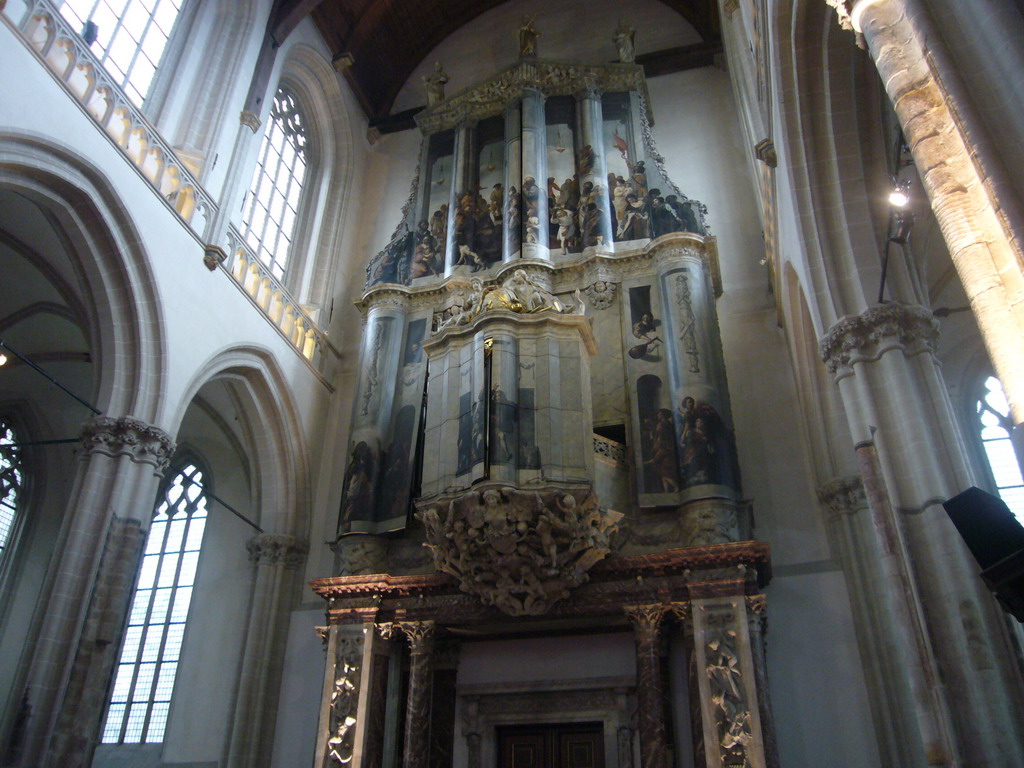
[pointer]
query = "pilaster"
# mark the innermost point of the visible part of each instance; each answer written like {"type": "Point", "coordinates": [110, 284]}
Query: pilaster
{"type": "Point", "coordinates": [420, 635]}
{"type": "Point", "coordinates": [646, 621]}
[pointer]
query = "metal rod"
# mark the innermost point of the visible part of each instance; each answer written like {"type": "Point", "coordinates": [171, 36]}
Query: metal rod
{"type": "Point", "coordinates": [52, 380]}
{"type": "Point", "coordinates": [223, 503]}
{"type": "Point", "coordinates": [885, 264]}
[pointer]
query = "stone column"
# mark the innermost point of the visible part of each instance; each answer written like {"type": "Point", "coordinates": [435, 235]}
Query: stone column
{"type": "Point", "coordinates": [277, 559]}
{"type": "Point", "coordinates": [971, 193]}
{"type": "Point", "coordinates": [512, 232]}
{"type": "Point", "coordinates": [897, 733]}
{"type": "Point", "coordinates": [949, 634]}
{"type": "Point", "coordinates": [591, 132]}
{"type": "Point", "coordinates": [535, 175]}
{"type": "Point", "coordinates": [727, 684]}
{"type": "Point", "coordinates": [420, 635]}
{"type": "Point", "coordinates": [646, 621]}
{"type": "Point", "coordinates": [88, 588]}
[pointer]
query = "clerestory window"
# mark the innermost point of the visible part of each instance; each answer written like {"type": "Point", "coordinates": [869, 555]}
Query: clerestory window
{"type": "Point", "coordinates": [11, 483]}
{"type": "Point", "coordinates": [144, 680]}
{"type": "Point", "coordinates": [273, 199]}
{"type": "Point", "coordinates": [995, 427]}
{"type": "Point", "coordinates": [128, 37]}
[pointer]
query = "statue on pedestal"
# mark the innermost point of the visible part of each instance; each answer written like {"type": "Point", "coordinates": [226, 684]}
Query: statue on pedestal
{"type": "Point", "coordinates": [528, 35]}
{"type": "Point", "coordinates": [625, 42]}
{"type": "Point", "coordinates": [435, 85]}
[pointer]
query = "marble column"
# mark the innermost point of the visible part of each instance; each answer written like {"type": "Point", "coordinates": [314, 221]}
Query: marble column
{"type": "Point", "coordinates": [276, 559]}
{"type": "Point", "coordinates": [684, 613]}
{"type": "Point", "coordinates": [646, 621]}
{"type": "Point", "coordinates": [535, 174]}
{"type": "Point", "coordinates": [512, 232]}
{"type": "Point", "coordinates": [595, 228]}
{"type": "Point", "coordinates": [970, 188]}
{"type": "Point", "coordinates": [950, 634]}
{"type": "Point", "coordinates": [757, 626]}
{"type": "Point", "coordinates": [88, 588]}
{"type": "Point", "coordinates": [420, 635]}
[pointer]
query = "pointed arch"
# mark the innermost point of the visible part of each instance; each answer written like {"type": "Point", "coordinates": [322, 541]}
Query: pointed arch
{"type": "Point", "coordinates": [126, 328]}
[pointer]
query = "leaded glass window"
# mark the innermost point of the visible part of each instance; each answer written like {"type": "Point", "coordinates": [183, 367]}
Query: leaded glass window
{"type": "Point", "coordinates": [144, 679]}
{"type": "Point", "coordinates": [11, 483]}
{"type": "Point", "coordinates": [996, 426]}
{"type": "Point", "coordinates": [130, 37]}
{"type": "Point", "coordinates": [273, 199]}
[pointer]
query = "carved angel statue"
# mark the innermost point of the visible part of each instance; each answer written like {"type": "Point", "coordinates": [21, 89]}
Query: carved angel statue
{"type": "Point", "coordinates": [527, 292]}
{"type": "Point", "coordinates": [435, 85]}
{"type": "Point", "coordinates": [625, 42]}
{"type": "Point", "coordinates": [528, 35]}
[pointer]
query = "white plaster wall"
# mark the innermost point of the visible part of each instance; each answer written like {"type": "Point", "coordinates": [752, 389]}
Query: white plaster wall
{"type": "Point", "coordinates": [299, 704]}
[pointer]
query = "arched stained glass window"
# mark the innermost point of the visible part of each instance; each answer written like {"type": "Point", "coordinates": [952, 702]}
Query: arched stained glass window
{"type": "Point", "coordinates": [144, 679]}
{"type": "Point", "coordinates": [996, 425]}
{"type": "Point", "coordinates": [128, 37]}
{"type": "Point", "coordinates": [273, 198]}
{"type": "Point", "coordinates": [11, 483]}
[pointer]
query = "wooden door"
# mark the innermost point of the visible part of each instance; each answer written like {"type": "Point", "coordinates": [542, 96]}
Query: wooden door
{"type": "Point", "coordinates": [572, 745]}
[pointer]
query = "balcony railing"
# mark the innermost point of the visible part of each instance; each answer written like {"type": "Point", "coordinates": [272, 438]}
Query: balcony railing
{"type": "Point", "coordinates": [61, 49]}
{"type": "Point", "coordinates": [255, 278]}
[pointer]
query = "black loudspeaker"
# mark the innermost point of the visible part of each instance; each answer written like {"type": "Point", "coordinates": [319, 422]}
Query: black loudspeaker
{"type": "Point", "coordinates": [996, 539]}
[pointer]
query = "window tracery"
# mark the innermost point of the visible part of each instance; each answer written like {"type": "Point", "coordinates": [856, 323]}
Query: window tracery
{"type": "Point", "coordinates": [11, 483]}
{"type": "Point", "coordinates": [128, 37]}
{"type": "Point", "coordinates": [144, 680]}
{"type": "Point", "coordinates": [273, 199]}
{"type": "Point", "coordinates": [995, 427]}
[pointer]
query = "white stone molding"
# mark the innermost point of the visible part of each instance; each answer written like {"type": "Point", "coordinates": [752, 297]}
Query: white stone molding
{"type": "Point", "coordinates": [910, 328]}
{"type": "Point", "coordinates": [274, 549]}
{"type": "Point", "coordinates": [127, 436]}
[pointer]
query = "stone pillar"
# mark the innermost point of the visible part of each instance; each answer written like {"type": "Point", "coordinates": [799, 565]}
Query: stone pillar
{"type": "Point", "coordinates": [595, 227]}
{"type": "Point", "coordinates": [420, 635]}
{"type": "Point", "coordinates": [535, 174]}
{"type": "Point", "coordinates": [646, 621]}
{"type": "Point", "coordinates": [512, 232]}
{"type": "Point", "coordinates": [734, 730]}
{"type": "Point", "coordinates": [950, 635]}
{"type": "Point", "coordinates": [89, 587]}
{"type": "Point", "coordinates": [970, 191]}
{"type": "Point", "coordinates": [277, 559]}
{"type": "Point", "coordinates": [897, 733]}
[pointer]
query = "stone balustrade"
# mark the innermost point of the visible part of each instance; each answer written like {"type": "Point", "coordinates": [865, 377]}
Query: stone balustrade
{"type": "Point", "coordinates": [59, 46]}
{"type": "Point", "coordinates": [256, 280]}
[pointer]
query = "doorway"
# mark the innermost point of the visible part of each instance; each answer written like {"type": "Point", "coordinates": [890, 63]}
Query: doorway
{"type": "Point", "coordinates": [570, 745]}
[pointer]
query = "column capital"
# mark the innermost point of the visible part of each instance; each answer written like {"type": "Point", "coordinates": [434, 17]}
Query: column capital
{"type": "Point", "coordinates": [646, 618]}
{"type": "Point", "coordinates": [843, 495]}
{"type": "Point", "coordinates": [420, 634]}
{"type": "Point", "coordinates": [127, 436]}
{"type": "Point", "coordinates": [590, 89]}
{"type": "Point", "coordinates": [250, 120]}
{"type": "Point", "coordinates": [910, 328]}
{"type": "Point", "coordinates": [275, 548]}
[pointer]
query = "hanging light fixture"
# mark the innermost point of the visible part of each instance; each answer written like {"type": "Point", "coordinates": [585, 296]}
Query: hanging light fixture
{"type": "Point", "coordinates": [900, 195]}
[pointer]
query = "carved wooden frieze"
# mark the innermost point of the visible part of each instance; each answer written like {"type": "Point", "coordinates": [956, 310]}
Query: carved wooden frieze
{"type": "Point", "coordinates": [520, 551]}
{"type": "Point", "coordinates": [551, 77]}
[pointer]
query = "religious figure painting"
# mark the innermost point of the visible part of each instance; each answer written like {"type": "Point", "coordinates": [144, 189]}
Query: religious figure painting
{"type": "Point", "coordinates": [707, 454]}
{"type": "Point", "coordinates": [358, 491]}
{"type": "Point", "coordinates": [644, 326]}
{"type": "Point", "coordinates": [657, 438]}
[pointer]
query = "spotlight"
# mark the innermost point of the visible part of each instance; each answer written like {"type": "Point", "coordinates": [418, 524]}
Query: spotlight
{"type": "Point", "coordinates": [3, 359]}
{"type": "Point", "coordinates": [899, 196]}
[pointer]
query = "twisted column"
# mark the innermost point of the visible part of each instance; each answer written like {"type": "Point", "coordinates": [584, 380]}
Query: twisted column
{"type": "Point", "coordinates": [646, 621]}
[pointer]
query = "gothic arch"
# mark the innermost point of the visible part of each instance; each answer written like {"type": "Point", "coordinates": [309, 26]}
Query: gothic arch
{"type": "Point", "coordinates": [273, 435]}
{"type": "Point", "coordinates": [126, 330]}
{"type": "Point", "coordinates": [327, 191]}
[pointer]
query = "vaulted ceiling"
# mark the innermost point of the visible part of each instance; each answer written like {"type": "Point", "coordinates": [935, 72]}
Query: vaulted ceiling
{"type": "Point", "coordinates": [378, 43]}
